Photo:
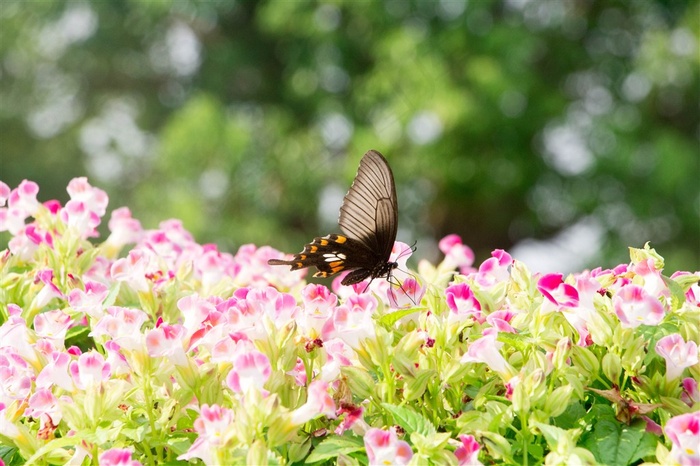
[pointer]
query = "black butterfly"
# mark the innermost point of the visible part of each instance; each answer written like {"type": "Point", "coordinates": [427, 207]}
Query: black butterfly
{"type": "Point", "coordinates": [369, 219]}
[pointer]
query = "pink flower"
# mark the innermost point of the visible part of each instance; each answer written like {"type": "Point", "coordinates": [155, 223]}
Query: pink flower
{"type": "Point", "coordinates": [89, 301]}
{"type": "Point", "coordinates": [318, 306]}
{"type": "Point", "coordinates": [15, 377]}
{"type": "Point", "coordinates": [408, 294]}
{"type": "Point", "coordinates": [462, 303]}
{"type": "Point", "coordinates": [298, 373]}
{"type": "Point", "coordinates": [384, 447]}
{"type": "Point", "coordinates": [338, 354]}
{"type": "Point", "coordinates": [653, 282]}
{"type": "Point", "coordinates": [77, 216]}
{"type": "Point", "coordinates": [691, 394]}
{"type": "Point", "coordinates": [318, 403]}
{"type": "Point", "coordinates": [677, 353]}
{"type": "Point", "coordinates": [211, 426]}
{"type": "Point", "coordinates": [352, 321]}
{"type": "Point", "coordinates": [684, 432]}
{"type": "Point", "coordinates": [557, 292]}
{"type": "Point", "coordinates": [635, 307]}
{"type": "Point", "coordinates": [167, 341]}
{"type": "Point", "coordinates": [457, 255]}
{"type": "Point", "coordinates": [280, 307]}
{"type": "Point", "coordinates": [123, 325]}
{"type": "Point", "coordinates": [125, 229]}
{"type": "Point", "coordinates": [118, 457]}
{"type": "Point", "coordinates": [468, 453]}
{"type": "Point", "coordinates": [486, 350]}
{"type": "Point", "coordinates": [89, 370]}
{"type": "Point", "coordinates": [250, 371]}
{"type": "Point", "coordinates": [500, 320]}
{"type": "Point", "coordinates": [48, 292]}
{"type": "Point", "coordinates": [23, 198]}
{"type": "Point", "coordinates": [94, 199]}
{"type": "Point", "coordinates": [14, 334]}
{"type": "Point", "coordinates": [135, 268]}
{"type": "Point", "coordinates": [4, 193]}
{"type": "Point", "coordinates": [43, 405]}
{"type": "Point", "coordinates": [56, 372]}
{"type": "Point", "coordinates": [52, 325]}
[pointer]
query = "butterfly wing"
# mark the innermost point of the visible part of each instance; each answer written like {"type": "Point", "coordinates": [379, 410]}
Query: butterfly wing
{"type": "Point", "coordinates": [369, 219]}
{"type": "Point", "coordinates": [369, 212]}
{"type": "Point", "coordinates": [332, 254]}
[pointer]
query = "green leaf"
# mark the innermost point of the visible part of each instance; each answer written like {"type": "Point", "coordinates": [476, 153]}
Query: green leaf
{"type": "Point", "coordinates": [410, 420]}
{"type": "Point", "coordinates": [388, 320]}
{"type": "Point", "coordinates": [615, 443]}
{"type": "Point", "coordinates": [334, 446]}
{"type": "Point", "coordinates": [517, 341]}
{"type": "Point", "coordinates": [677, 293]}
{"type": "Point", "coordinates": [571, 416]}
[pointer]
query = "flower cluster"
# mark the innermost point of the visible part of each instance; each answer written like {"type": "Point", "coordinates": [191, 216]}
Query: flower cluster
{"type": "Point", "coordinates": [148, 347]}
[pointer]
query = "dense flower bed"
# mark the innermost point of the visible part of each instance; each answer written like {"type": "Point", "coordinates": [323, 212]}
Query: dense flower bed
{"type": "Point", "coordinates": [172, 351]}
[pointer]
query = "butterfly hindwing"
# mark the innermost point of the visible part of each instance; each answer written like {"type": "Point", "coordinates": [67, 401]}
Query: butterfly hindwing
{"type": "Point", "coordinates": [330, 254]}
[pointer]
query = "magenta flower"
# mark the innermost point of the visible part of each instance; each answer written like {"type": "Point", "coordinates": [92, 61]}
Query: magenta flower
{"type": "Point", "coordinates": [118, 457]}
{"type": "Point", "coordinates": [318, 403]}
{"type": "Point", "coordinates": [23, 198]}
{"type": "Point", "coordinates": [250, 372]}
{"type": "Point", "coordinates": [89, 370]}
{"type": "Point", "coordinates": [384, 447]}
{"type": "Point", "coordinates": [212, 426]}
{"type": "Point", "coordinates": [353, 417]}
{"type": "Point", "coordinates": [558, 293]}
{"type": "Point", "coordinates": [462, 303]}
{"type": "Point", "coordinates": [468, 453]}
{"type": "Point", "coordinates": [635, 307]}
{"type": "Point", "coordinates": [677, 353]}
{"type": "Point", "coordinates": [494, 270]}
{"type": "Point", "coordinates": [684, 433]}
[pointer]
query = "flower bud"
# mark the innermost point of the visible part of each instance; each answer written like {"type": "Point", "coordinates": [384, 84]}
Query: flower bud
{"type": "Point", "coordinates": [585, 360]}
{"type": "Point", "coordinates": [557, 401]}
{"type": "Point", "coordinates": [612, 368]}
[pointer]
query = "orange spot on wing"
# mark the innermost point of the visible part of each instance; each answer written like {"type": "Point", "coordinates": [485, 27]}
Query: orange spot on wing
{"type": "Point", "coordinates": [340, 239]}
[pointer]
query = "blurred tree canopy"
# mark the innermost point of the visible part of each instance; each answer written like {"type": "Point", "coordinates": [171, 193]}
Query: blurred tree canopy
{"type": "Point", "coordinates": [565, 127]}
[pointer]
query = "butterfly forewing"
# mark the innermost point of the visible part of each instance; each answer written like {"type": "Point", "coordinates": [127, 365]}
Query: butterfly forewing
{"type": "Point", "coordinates": [369, 212]}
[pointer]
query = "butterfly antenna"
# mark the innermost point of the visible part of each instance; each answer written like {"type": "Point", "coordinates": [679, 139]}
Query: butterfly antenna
{"type": "Point", "coordinates": [395, 281]}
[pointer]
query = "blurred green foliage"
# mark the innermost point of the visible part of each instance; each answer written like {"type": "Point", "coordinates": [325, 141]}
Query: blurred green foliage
{"type": "Point", "coordinates": [507, 122]}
